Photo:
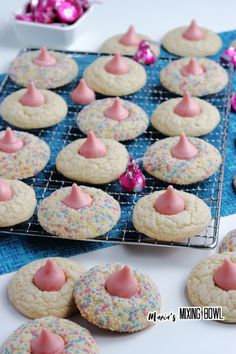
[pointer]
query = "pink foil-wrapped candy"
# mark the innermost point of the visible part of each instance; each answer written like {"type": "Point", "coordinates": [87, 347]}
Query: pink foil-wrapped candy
{"type": "Point", "coordinates": [233, 101]}
{"type": "Point", "coordinates": [132, 180]}
{"type": "Point", "coordinates": [144, 54]}
{"type": "Point", "coordinates": [229, 56]}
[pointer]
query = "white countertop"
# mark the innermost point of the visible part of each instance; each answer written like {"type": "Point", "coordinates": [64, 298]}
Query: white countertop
{"type": "Point", "coordinates": [169, 267]}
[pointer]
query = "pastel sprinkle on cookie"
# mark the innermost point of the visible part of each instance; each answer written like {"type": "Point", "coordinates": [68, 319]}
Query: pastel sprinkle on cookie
{"type": "Point", "coordinates": [28, 160]}
{"type": "Point", "coordinates": [159, 162]}
{"type": "Point", "coordinates": [213, 79]}
{"type": "Point", "coordinates": [24, 69]}
{"type": "Point", "coordinates": [76, 338]}
{"type": "Point", "coordinates": [93, 118]}
{"type": "Point", "coordinates": [228, 243]}
{"type": "Point", "coordinates": [122, 314]}
{"type": "Point", "coordinates": [86, 222]}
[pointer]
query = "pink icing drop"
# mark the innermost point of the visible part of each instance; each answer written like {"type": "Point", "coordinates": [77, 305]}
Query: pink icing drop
{"type": "Point", "coordinates": [225, 275]}
{"type": "Point", "coordinates": [192, 68]}
{"type": "Point", "coordinates": [47, 343]}
{"type": "Point", "coordinates": [130, 38]}
{"type": "Point", "coordinates": [82, 94]}
{"type": "Point", "coordinates": [44, 58]}
{"type": "Point", "coordinates": [122, 283]}
{"type": "Point", "coordinates": [116, 111]}
{"type": "Point", "coordinates": [49, 277]}
{"type": "Point", "coordinates": [117, 65]}
{"type": "Point", "coordinates": [187, 107]}
{"type": "Point", "coordinates": [184, 150]}
{"type": "Point", "coordinates": [10, 143]}
{"type": "Point", "coordinates": [32, 97]}
{"type": "Point", "coordinates": [77, 199]}
{"type": "Point", "coordinates": [169, 202]}
{"type": "Point", "coordinates": [194, 32]}
{"type": "Point", "coordinates": [5, 191]}
{"type": "Point", "coordinates": [92, 147]}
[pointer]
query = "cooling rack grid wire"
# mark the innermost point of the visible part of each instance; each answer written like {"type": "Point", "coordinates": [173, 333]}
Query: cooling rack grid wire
{"type": "Point", "coordinates": [148, 98]}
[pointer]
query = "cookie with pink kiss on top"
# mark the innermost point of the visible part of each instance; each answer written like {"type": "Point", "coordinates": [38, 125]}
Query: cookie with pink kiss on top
{"type": "Point", "coordinates": [92, 160]}
{"type": "Point", "coordinates": [199, 76]}
{"type": "Point", "coordinates": [117, 297]}
{"type": "Point", "coordinates": [17, 202]}
{"type": "Point", "coordinates": [113, 118]}
{"type": "Point", "coordinates": [47, 69]}
{"type": "Point", "coordinates": [212, 282]}
{"type": "Point", "coordinates": [78, 212]}
{"type": "Point", "coordinates": [33, 109]}
{"type": "Point", "coordinates": [127, 43]}
{"type": "Point", "coordinates": [192, 40]}
{"type": "Point", "coordinates": [22, 155]}
{"type": "Point", "coordinates": [181, 160]}
{"type": "Point", "coordinates": [115, 75]}
{"type": "Point", "coordinates": [171, 215]}
{"type": "Point", "coordinates": [49, 335]}
{"type": "Point", "coordinates": [189, 115]}
{"type": "Point", "coordinates": [45, 287]}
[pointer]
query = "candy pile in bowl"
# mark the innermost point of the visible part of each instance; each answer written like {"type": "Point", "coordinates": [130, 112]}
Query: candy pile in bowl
{"type": "Point", "coordinates": [54, 23]}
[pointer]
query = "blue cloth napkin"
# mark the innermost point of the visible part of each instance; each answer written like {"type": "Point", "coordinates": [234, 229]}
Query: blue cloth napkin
{"type": "Point", "coordinates": [15, 251]}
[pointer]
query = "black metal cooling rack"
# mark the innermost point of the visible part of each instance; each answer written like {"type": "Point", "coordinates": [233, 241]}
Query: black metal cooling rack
{"type": "Point", "coordinates": [148, 98]}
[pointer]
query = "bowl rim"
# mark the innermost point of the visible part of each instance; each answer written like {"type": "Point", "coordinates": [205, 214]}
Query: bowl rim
{"type": "Point", "coordinates": [50, 26]}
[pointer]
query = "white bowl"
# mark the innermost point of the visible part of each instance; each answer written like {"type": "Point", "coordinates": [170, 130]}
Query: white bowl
{"type": "Point", "coordinates": [36, 35]}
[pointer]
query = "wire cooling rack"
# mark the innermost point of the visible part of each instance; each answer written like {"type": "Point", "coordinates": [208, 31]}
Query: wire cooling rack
{"type": "Point", "coordinates": [148, 98]}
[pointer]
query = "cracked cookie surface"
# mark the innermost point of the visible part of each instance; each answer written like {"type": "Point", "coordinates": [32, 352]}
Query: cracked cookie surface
{"type": "Point", "coordinates": [53, 111]}
{"type": "Point", "coordinates": [203, 291]}
{"type": "Point", "coordinates": [20, 207]}
{"type": "Point", "coordinates": [35, 303]}
{"type": "Point", "coordinates": [101, 81]}
{"type": "Point", "coordinates": [112, 45]}
{"type": "Point", "coordinates": [166, 121]}
{"type": "Point", "coordinates": [93, 170]}
{"type": "Point", "coordinates": [175, 43]}
{"type": "Point", "coordinates": [191, 221]}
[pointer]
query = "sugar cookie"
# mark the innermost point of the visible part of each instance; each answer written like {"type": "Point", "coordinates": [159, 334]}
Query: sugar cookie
{"type": "Point", "coordinates": [114, 312]}
{"type": "Point", "coordinates": [125, 122]}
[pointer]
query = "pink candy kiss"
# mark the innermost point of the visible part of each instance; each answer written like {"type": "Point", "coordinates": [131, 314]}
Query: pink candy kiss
{"type": "Point", "coordinates": [32, 97]}
{"type": "Point", "coordinates": [169, 202]}
{"type": "Point", "coordinates": [47, 343]}
{"type": "Point", "coordinates": [130, 38]}
{"type": "Point", "coordinates": [92, 147]}
{"type": "Point", "coordinates": [82, 94]}
{"type": "Point", "coordinates": [77, 199]}
{"type": "Point", "coordinates": [44, 58]}
{"type": "Point", "coordinates": [10, 143]}
{"type": "Point", "coordinates": [184, 149]}
{"type": "Point", "coordinates": [116, 111]}
{"type": "Point", "coordinates": [5, 191]}
{"type": "Point", "coordinates": [122, 283]}
{"type": "Point", "coordinates": [49, 277]}
{"type": "Point", "coordinates": [187, 107]}
{"type": "Point", "coordinates": [117, 65]}
{"type": "Point", "coordinates": [225, 275]}
{"type": "Point", "coordinates": [192, 68]}
{"type": "Point", "coordinates": [194, 32]}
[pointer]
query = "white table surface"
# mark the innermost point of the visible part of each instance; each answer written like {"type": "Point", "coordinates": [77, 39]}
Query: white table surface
{"type": "Point", "coordinates": [169, 267]}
